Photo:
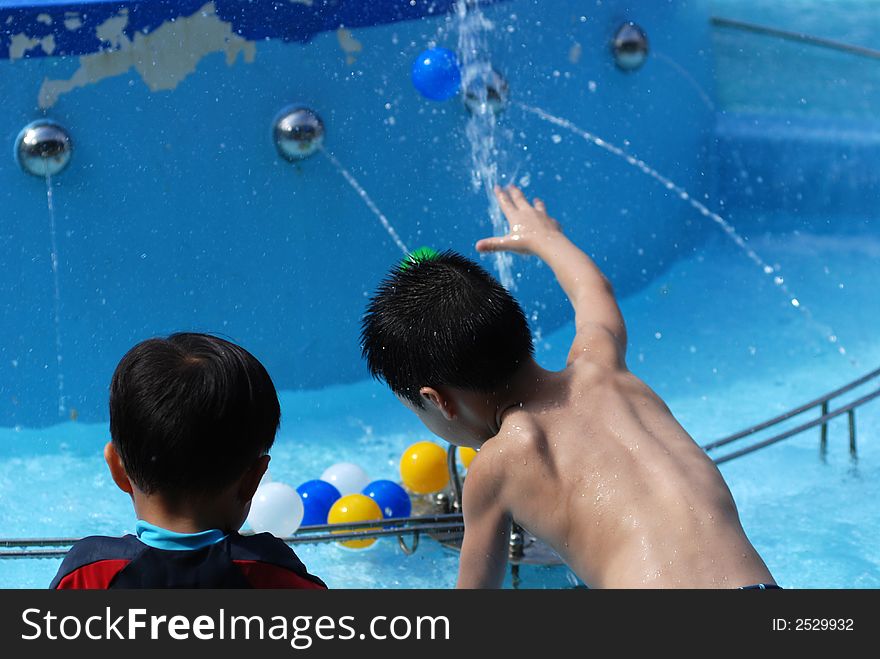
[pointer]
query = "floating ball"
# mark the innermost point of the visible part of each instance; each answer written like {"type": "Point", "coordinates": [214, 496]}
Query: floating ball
{"type": "Point", "coordinates": [354, 508]}
{"type": "Point", "coordinates": [348, 478]}
{"type": "Point", "coordinates": [392, 499]}
{"type": "Point", "coordinates": [423, 468]}
{"type": "Point", "coordinates": [277, 509]}
{"type": "Point", "coordinates": [318, 497]}
{"type": "Point", "coordinates": [466, 455]}
{"type": "Point", "coordinates": [435, 74]}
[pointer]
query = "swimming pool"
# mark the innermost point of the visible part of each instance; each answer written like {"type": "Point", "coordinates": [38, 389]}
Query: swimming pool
{"type": "Point", "coordinates": [176, 213]}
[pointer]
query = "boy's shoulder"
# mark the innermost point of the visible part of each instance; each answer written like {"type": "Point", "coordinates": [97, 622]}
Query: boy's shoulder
{"type": "Point", "coordinates": [263, 547]}
{"type": "Point", "coordinates": [94, 561]}
{"type": "Point", "coordinates": [518, 436]}
{"type": "Point", "coordinates": [519, 431]}
{"type": "Point", "coordinates": [269, 562]}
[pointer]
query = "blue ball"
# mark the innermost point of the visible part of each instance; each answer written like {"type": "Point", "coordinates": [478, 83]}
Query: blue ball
{"type": "Point", "coordinates": [318, 497]}
{"type": "Point", "coordinates": [436, 75]}
{"type": "Point", "coordinates": [392, 499]}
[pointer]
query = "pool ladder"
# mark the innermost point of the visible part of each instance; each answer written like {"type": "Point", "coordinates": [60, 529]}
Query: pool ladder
{"type": "Point", "coordinates": [824, 406]}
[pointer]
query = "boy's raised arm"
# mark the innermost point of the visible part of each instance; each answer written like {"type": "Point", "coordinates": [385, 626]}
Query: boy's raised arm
{"type": "Point", "coordinates": [601, 332]}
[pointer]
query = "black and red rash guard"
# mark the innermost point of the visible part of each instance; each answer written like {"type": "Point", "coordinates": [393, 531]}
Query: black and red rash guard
{"type": "Point", "coordinates": [229, 561]}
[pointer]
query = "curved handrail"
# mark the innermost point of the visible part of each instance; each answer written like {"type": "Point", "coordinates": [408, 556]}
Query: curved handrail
{"type": "Point", "coordinates": [825, 415]}
{"type": "Point", "coordinates": [800, 37]}
{"type": "Point", "coordinates": [793, 412]}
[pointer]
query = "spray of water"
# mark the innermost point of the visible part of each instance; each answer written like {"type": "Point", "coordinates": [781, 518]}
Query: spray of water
{"type": "Point", "coordinates": [704, 211]}
{"type": "Point", "coordinates": [59, 359]}
{"type": "Point", "coordinates": [476, 69]}
{"type": "Point", "coordinates": [687, 77]}
{"type": "Point", "coordinates": [352, 181]}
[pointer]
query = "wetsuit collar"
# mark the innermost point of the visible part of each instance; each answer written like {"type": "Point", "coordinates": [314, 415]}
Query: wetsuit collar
{"type": "Point", "coordinates": [159, 538]}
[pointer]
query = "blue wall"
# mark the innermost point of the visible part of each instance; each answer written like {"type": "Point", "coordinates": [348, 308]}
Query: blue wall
{"type": "Point", "coordinates": [177, 214]}
{"type": "Point", "coordinates": [798, 132]}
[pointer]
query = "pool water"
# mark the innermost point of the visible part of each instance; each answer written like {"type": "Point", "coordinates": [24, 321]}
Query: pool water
{"type": "Point", "coordinates": [712, 335]}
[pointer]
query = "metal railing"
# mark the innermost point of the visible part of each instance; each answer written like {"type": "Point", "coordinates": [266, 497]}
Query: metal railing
{"type": "Point", "coordinates": [435, 525]}
{"type": "Point", "coordinates": [822, 404]}
{"type": "Point", "coordinates": [798, 37]}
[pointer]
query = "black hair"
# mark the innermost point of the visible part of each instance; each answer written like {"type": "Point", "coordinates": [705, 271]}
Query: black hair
{"type": "Point", "coordinates": [190, 413]}
{"type": "Point", "coordinates": [443, 320]}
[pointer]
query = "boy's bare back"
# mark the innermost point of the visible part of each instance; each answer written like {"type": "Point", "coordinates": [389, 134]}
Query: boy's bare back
{"type": "Point", "coordinates": [590, 459]}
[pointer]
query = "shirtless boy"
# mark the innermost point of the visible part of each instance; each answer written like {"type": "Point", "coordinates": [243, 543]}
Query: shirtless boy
{"type": "Point", "coordinates": [589, 459]}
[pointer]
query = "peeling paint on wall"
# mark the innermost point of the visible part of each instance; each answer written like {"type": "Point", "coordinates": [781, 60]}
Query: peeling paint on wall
{"type": "Point", "coordinates": [163, 58]}
{"type": "Point", "coordinates": [72, 20]}
{"type": "Point", "coordinates": [574, 54]}
{"type": "Point", "coordinates": [112, 30]}
{"type": "Point", "coordinates": [350, 46]}
{"type": "Point", "coordinates": [20, 44]}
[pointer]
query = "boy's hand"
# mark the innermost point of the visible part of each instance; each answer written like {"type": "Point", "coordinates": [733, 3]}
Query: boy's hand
{"type": "Point", "coordinates": [600, 330]}
{"type": "Point", "coordinates": [530, 226]}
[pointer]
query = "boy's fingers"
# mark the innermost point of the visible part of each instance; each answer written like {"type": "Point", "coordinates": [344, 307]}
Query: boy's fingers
{"type": "Point", "coordinates": [503, 198]}
{"type": "Point", "coordinates": [519, 199]}
{"type": "Point", "coordinates": [494, 244]}
{"type": "Point", "coordinates": [539, 205]}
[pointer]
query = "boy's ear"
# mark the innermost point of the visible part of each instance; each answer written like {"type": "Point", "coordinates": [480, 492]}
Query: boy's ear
{"type": "Point", "coordinates": [117, 469]}
{"type": "Point", "coordinates": [250, 480]}
{"type": "Point", "coordinates": [443, 403]}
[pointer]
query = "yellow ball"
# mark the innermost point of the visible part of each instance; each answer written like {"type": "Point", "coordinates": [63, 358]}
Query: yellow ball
{"type": "Point", "coordinates": [466, 454]}
{"type": "Point", "coordinates": [354, 508]}
{"type": "Point", "coordinates": [423, 468]}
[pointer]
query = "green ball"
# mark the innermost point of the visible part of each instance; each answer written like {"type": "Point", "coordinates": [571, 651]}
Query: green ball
{"type": "Point", "coordinates": [417, 256]}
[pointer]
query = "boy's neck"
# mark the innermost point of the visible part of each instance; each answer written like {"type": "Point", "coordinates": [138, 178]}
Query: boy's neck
{"type": "Point", "coordinates": [527, 384]}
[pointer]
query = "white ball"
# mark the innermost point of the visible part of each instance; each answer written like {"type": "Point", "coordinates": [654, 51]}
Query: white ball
{"type": "Point", "coordinates": [276, 509]}
{"type": "Point", "coordinates": [347, 477]}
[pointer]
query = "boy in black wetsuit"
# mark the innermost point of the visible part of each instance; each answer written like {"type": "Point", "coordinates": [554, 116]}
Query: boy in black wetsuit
{"type": "Point", "coordinates": [192, 418]}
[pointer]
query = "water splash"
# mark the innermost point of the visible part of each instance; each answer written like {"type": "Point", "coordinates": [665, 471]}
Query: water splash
{"type": "Point", "coordinates": [352, 181]}
{"type": "Point", "coordinates": [768, 270]}
{"type": "Point", "coordinates": [687, 77]}
{"type": "Point", "coordinates": [476, 68]}
{"type": "Point", "coordinates": [59, 359]}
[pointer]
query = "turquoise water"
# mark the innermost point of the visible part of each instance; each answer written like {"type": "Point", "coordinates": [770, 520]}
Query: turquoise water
{"type": "Point", "coordinates": [711, 335]}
